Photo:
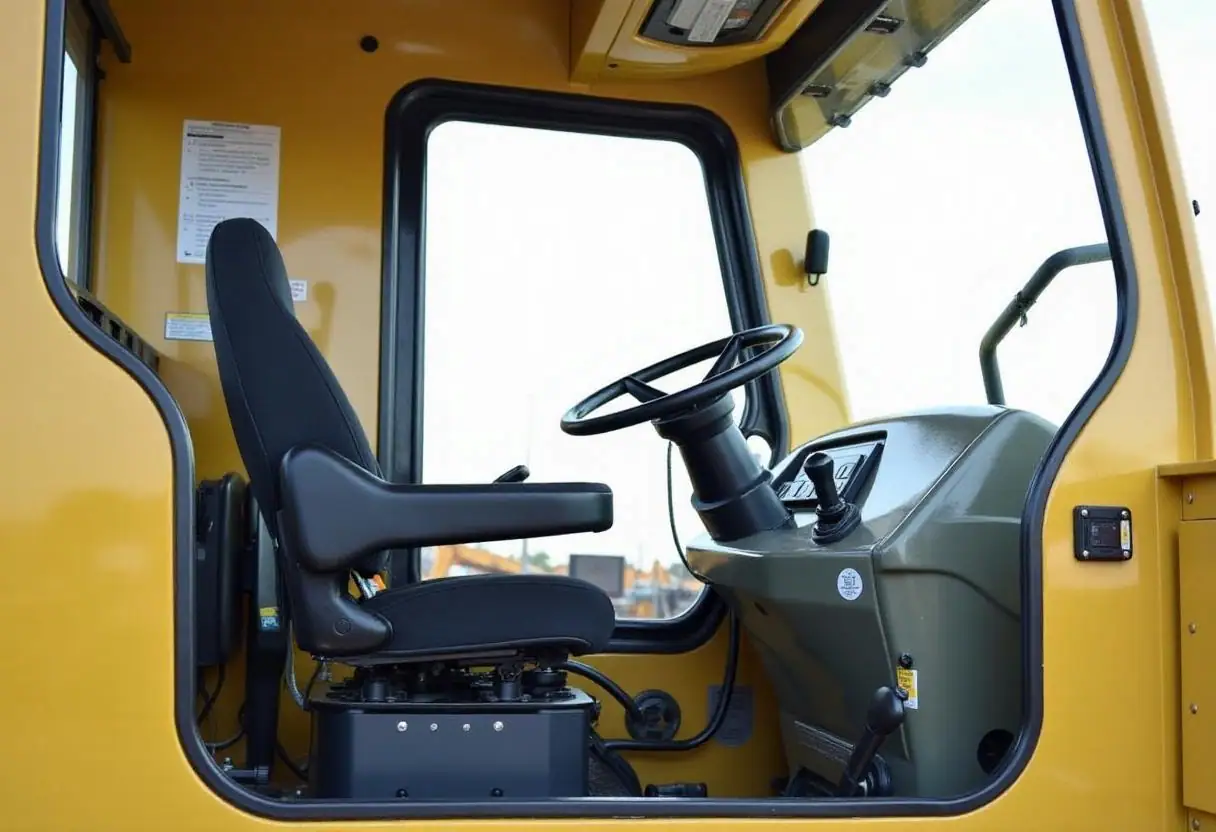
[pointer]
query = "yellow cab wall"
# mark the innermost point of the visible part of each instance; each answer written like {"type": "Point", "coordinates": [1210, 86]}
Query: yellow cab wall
{"type": "Point", "coordinates": [89, 739]}
{"type": "Point", "coordinates": [298, 65]}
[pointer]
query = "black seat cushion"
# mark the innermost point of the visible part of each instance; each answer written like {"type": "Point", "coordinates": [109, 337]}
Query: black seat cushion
{"type": "Point", "coordinates": [479, 613]}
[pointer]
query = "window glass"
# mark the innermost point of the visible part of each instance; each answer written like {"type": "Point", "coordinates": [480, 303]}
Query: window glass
{"type": "Point", "coordinates": [942, 200]}
{"type": "Point", "coordinates": [73, 147]}
{"type": "Point", "coordinates": [556, 263]}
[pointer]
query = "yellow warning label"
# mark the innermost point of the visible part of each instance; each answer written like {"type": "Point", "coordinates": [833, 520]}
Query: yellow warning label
{"type": "Point", "coordinates": [268, 611]}
{"type": "Point", "coordinates": [187, 326]}
{"type": "Point", "coordinates": [1125, 535]}
{"type": "Point", "coordinates": [907, 679]}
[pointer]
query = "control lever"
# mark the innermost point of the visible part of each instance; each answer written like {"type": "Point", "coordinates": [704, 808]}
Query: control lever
{"type": "Point", "coordinates": [837, 516]}
{"type": "Point", "coordinates": [517, 474]}
{"type": "Point", "coordinates": [885, 715]}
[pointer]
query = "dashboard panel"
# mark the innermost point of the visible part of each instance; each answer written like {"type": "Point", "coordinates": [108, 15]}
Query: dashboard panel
{"type": "Point", "coordinates": [920, 595]}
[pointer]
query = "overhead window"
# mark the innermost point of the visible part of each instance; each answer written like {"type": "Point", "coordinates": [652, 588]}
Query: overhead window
{"type": "Point", "coordinates": [555, 263]}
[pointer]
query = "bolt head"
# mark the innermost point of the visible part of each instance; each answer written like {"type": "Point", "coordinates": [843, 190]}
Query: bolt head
{"type": "Point", "coordinates": [465, 727]}
{"type": "Point", "coordinates": [1192, 628]}
{"type": "Point", "coordinates": [1124, 514]}
{"type": "Point", "coordinates": [1084, 512]}
{"type": "Point", "coordinates": [1194, 708]}
{"type": "Point", "coordinates": [401, 726]}
{"type": "Point", "coordinates": [497, 726]}
{"type": "Point", "coordinates": [1194, 823]}
{"type": "Point", "coordinates": [1085, 553]}
{"type": "Point", "coordinates": [1190, 498]}
{"type": "Point", "coordinates": [434, 726]}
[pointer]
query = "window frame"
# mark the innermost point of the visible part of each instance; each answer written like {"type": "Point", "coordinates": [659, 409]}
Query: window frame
{"type": "Point", "coordinates": [423, 105]}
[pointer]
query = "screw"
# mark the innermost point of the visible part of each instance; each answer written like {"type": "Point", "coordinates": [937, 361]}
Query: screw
{"type": "Point", "coordinates": [1124, 514]}
{"type": "Point", "coordinates": [1127, 555]}
{"type": "Point", "coordinates": [905, 661]}
{"type": "Point", "coordinates": [1191, 628]}
{"type": "Point", "coordinates": [465, 727]}
{"type": "Point", "coordinates": [402, 793]}
{"type": "Point", "coordinates": [1084, 553]}
{"type": "Point", "coordinates": [434, 726]}
{"type": "Point", "coordinates": [1194, 708]}
{"type": "Point", "coordinates": [1190, 498]}
{"type": "Point", "coordinates": [401, 726]}
{"type": "Point", "coordinates": [1194, 823]}
{"type": "Point", "coordinates": [497, 726]}
{"type": "Point", "coordinates": [1084, 512]}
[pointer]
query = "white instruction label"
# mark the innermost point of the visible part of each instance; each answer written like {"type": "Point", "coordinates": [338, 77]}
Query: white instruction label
{"type": "Point", "coordinates": [710, 21]}
{"type": "Point", "coordinates": [299, 290]}
{"type": "Point", "coordinates": [228, 170]}
{"type": "Point", "coordinates": [187, 326]}
{"type": "Point", "coordinates": [848, 584]}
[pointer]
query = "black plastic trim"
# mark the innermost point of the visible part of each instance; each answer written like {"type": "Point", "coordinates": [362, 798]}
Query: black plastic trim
{"type": "Point", "coordinates": [183, 518]}
{"type": "Point", "coordinates": [110, 30]}
{"type": "Point", "coordinates": [423, 105]}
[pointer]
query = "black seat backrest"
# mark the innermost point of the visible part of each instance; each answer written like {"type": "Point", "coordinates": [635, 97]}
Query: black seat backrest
{"type": "Point", "coordinates": [279, 390]}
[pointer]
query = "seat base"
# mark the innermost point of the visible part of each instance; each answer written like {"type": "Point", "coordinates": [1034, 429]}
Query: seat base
{"type": "Point", "coordinates": [451, 737]}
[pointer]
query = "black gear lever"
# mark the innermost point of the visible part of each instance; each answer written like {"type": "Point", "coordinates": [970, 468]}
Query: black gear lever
{"type": "Point", "coordinates": [884, 717]}
{"type": "Point", "coordinates": [837, 516]}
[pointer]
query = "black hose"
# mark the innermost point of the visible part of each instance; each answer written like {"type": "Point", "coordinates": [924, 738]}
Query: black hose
{"type": "Point", "coordinates": [632, 712]}
{"type": "Point", "coordinates": [715, 721]}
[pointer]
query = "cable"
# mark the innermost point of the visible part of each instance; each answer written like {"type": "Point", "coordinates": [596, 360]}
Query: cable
{"type": "Point", "coordinates": [209, 699]}
{"type": "Point", "coordinates": [632, 712]}
{"type": "Point", "coordinates": [296, 769]}
{"type": "Point", "coordinates": [728, 683]}
{"type": "Point", "coordinates": [715, 722]}
{"type": "Point", "coordinates": [671, 516]}
{"type": "Point", "coordinates": [223, 745]}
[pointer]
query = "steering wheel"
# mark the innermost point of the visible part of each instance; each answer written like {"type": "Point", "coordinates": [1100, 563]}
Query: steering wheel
{"type": "Point", "coordinates": [725, 375]}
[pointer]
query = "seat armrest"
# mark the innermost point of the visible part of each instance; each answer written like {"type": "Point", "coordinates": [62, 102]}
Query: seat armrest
{"type": "Point", "coordinates": [333, 512]}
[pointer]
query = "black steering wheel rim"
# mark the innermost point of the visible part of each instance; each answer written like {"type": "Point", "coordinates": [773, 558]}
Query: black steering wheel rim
{"type": "Point", "coordinates": [725, 375]}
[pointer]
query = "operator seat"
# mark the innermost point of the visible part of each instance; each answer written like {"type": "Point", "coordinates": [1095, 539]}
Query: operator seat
{"type": "Point", "coordinates": [321, 495]}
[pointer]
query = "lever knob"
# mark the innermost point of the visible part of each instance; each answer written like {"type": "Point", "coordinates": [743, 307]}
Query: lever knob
{"type": "Point", "coordinates": [821, 471]}
{"type": "Point", "coordinates": [884, 716]}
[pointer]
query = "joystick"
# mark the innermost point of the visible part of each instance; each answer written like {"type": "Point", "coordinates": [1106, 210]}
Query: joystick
{"type": "Point", "coordinates": [885, 715]}
{"type": "Point", "coordinates": [836, 516]}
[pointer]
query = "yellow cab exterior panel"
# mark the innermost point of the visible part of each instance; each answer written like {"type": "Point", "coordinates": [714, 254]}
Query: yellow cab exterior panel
{"type": "Point", "coordinates": [91, 451]}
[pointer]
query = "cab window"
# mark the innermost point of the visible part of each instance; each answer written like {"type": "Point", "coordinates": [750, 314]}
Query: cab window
{"type": "Point", "coordinates": [75, 146]}
{"type": "Point", "coordinates": [555, 263]}
{"type": "Point", "coordinates": [985, 175]}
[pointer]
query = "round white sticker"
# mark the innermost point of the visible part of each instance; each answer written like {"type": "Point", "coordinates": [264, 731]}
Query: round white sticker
{"type": "Point", "coordinates": [848, 584]}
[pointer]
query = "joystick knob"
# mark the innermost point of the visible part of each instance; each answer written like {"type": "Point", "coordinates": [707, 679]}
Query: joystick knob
{"type": "Point", "coordinates": [821, 471]}
{"type": "Point", "coordinates": [883, 718]}
{"type": "Point", "coordinates": [837, 517]}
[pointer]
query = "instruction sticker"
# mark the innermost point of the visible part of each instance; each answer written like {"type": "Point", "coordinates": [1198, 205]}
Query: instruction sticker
{"type": "Point", "coordinates": [187, 326]}
{"type": "Point", "coordinates": [848, 584]}
{"type": "Point", "coordinates": [228, 170]}
{"type": "Point", "coordinates": [299, 290]}
{"type": "Point", "coordinates": [906, 679]}
{"type": "Point", "coordinates": [709, 22]}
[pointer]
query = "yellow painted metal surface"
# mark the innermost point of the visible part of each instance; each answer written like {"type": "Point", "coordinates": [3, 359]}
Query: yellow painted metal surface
{"type": "Point", "coordinates": [89, 740]}
{"type": "Point", "coordinates": [1197, 626]}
